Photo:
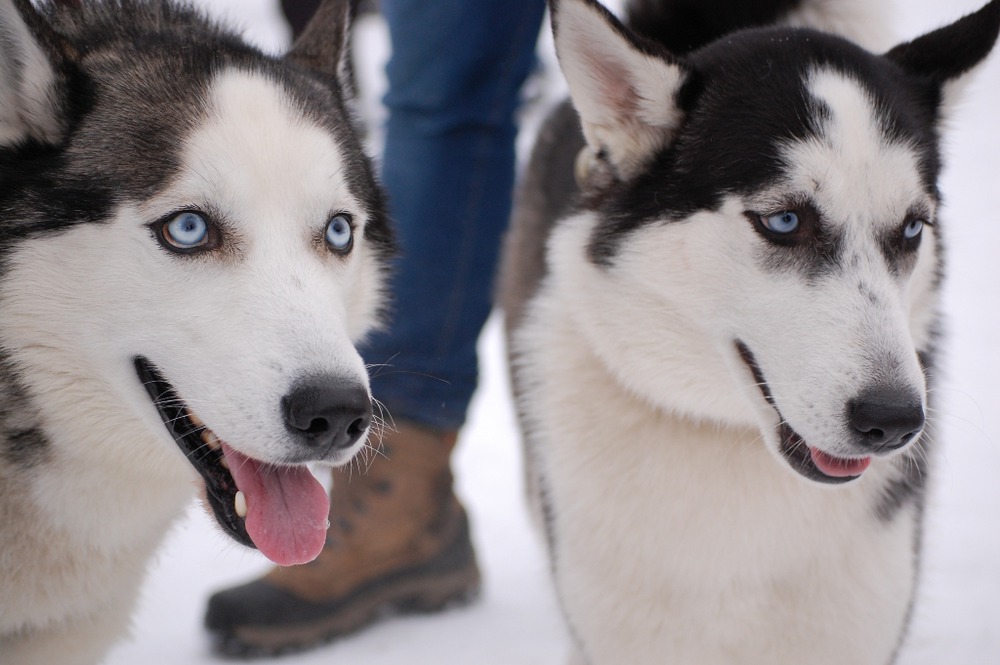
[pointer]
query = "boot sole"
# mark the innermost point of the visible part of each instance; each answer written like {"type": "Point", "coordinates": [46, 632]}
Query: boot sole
{"type": "Point", "coordinates": [419, 593]}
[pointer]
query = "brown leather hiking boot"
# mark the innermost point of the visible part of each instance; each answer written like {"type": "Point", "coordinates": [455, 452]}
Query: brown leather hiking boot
{"type": "Point", "coordinates": [398, 542]}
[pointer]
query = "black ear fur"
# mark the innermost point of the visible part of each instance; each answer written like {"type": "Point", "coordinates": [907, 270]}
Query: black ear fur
{"type": "Point", "coordinates": [950, 52]}
{"type": "Point", "coordinates": [324, 44]}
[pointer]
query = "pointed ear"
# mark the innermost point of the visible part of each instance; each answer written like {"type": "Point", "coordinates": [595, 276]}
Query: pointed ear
{"type": "Point", "coordinates": [624, 88]}
{"type": "Point", "coordinates": [947, 56]}
{"type": "Point", "coordinates": [32, 85]}
{"type": "Point", "coordinates": [324, 44]}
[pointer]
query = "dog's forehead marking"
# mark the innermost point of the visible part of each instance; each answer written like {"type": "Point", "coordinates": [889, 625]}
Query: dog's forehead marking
{"type": "Point", "coordinates": [260, 158]}
{"type": "Point", "coordinates": [856, 171]}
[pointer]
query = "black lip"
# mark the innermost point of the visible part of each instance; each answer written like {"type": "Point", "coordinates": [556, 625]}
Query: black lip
{"type": "Point", "coordinates": [220, 488]}
{"type": "Point", "coordinates": [793, 447]}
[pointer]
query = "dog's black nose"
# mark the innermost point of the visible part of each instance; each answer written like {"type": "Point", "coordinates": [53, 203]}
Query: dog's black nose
{"type": "Point", "coordinates": [885, 419]}
{"type": "Point", "coordinates": [327, 415]}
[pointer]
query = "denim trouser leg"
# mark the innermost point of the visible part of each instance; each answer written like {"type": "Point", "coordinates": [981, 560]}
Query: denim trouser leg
{"type": "Point", "coordinates": [454, 79]}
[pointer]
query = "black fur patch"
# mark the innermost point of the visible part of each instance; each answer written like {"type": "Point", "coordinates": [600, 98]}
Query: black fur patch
{"type": "Point", "coordinates": [135, 85]}
{"type": "Point", "coordinates": [22, 442]}
{"type": "Point", "coordinates": [745, 99]}
{"type": "Point", "coordinates": [952, 50]}
{"type": "Point", "coordinates": [686, 25]}
{"type": "Point", "coordinates": [899, 251]}
{"type": "Point", "coordinates": [25, 447]}
{"type": "Point", "coordinates": [813, 250]}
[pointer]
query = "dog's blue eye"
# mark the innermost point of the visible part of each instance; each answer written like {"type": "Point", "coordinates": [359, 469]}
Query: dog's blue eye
{"type": "Point", "coordinates": [913, 229]}
{"type": "Point", "coordinates": [339, 233]}
{"type": "Point", "coordinates": [186, 230]}
{"type": "Point", "coordinates": [782, 222]}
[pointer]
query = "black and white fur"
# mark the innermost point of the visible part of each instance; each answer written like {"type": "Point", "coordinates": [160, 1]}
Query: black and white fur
{"type": "Point", "coordinates": [122, 350]}
{"type": "Point", "coordinates": [721, 290]}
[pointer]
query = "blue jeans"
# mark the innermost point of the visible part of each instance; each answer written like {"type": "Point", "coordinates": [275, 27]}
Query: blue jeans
{"type": "Point", "coordinates": [455, 76]}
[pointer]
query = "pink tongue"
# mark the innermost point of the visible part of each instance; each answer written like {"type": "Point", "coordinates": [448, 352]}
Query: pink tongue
{"type": "Point", "coordinates": [287, 508]}
{"type": "Point", "coordinates": [839, 467]}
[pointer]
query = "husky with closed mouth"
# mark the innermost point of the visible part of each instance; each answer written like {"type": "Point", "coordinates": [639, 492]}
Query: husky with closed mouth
{"type": "Point", "coordinates": [721, 287]}
{"type": "Point", "coordinates": [191, 244]}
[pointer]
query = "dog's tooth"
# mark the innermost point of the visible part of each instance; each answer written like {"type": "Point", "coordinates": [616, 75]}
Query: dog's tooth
{"type": "Point", "coordinates": [224, 462]}
{"type": "Point", "coordinates": [241, 504]}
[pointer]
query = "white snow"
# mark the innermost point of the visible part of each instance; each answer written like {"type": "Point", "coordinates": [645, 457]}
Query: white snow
{"type": "Point", "coordinates": [958, 613]}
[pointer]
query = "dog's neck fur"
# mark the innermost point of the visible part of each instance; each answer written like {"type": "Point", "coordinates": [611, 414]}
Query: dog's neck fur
{"type": "Point", "coordinates": [691, 484]}
{"type": "Point", "coordinates": [131, 501]}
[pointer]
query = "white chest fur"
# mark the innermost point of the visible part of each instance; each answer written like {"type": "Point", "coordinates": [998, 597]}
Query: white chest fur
{"type": "Point", "coordinates": [689, 542]}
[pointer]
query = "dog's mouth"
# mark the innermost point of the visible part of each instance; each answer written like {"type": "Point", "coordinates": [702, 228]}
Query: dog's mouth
{"type": "Point", "coordinates": [808, 460]}
{"type": "Point", "coordinates": [280, 510]}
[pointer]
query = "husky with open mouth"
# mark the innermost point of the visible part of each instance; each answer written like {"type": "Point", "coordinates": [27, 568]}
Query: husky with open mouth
{"type": "Point", "coordinates": [192, 242]}
{"type": "Point", "coordinates": [721, 287]}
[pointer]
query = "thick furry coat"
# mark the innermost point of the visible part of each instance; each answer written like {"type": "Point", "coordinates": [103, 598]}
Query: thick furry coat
{"type": "Point", "coordinates": [721, 292]}
{"type": "Point", "coordinates": [191, 244]}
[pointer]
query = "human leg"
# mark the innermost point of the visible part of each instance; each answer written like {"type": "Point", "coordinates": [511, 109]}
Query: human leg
{"type": "Point", "coordinates": [449, 168]}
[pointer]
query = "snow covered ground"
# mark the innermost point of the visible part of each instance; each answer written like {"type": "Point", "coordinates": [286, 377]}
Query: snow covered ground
{"type": "Point", "coordinates": [516, 622]}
